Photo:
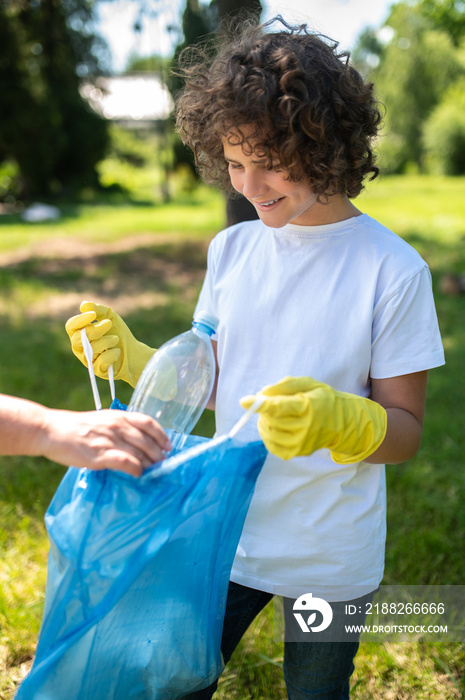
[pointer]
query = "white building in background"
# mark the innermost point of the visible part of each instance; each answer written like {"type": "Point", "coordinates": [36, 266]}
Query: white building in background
{"type": "Point", "coordinates": [136, 100]}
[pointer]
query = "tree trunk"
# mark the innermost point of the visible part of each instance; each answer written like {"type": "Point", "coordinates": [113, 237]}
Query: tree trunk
{"type": "Point", "coordinates": [239, 209]}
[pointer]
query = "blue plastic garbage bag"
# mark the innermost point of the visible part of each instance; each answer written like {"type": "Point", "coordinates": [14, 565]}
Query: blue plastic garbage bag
{"type": "Point", "coordinates": [138, 575]}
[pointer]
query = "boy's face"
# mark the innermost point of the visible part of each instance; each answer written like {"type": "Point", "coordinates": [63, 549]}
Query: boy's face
{"type": "Point", "coordinates": [277, 199]}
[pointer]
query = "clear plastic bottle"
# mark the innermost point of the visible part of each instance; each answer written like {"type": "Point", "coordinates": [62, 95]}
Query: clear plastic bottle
{"type": "Point", "coordinates": [177, 382]}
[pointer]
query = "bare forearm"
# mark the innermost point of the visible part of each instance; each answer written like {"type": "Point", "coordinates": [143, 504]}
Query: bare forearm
{"type": "Point", "coordinates": [118, 440]}
{"type": "Point", "coordinates": [21, 422]}
{"type": "Point", "coordinates": [212, 400]}
{"type": "Point", "coordinates": [404, 399]}
{"type": "Point", "coordinates": [402, 440]}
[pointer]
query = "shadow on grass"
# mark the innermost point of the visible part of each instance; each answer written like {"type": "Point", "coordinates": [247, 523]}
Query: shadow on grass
{"type": "Point", "coordinates": [167, 268]}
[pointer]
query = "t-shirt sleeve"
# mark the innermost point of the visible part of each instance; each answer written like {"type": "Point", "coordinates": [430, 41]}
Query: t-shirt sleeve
{"type": "Point", "coordinates": [405, 334]}
{"type": "Point", "coordinates": [206, 301]}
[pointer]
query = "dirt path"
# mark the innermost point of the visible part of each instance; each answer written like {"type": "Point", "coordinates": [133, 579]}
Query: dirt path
{"type": "Point", "coordinates": [69, 247]}
{"type": "Point", "coordinates": [137, 272]}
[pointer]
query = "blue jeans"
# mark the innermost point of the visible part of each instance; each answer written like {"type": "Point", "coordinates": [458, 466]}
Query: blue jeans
{"type": "Point", "coordinates": [312, 670]}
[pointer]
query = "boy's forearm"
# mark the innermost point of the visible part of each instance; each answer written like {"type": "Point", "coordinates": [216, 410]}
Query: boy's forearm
{"type": "Point", "coordinates": [402, 440]}
{"type": "Point", "coordinates": [212, 400]}
{"type": "Point", "coordinates": [404, 399]}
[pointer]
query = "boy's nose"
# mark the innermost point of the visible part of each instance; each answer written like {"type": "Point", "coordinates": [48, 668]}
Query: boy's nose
{"type": "Point", "coordinates": [253, 185]}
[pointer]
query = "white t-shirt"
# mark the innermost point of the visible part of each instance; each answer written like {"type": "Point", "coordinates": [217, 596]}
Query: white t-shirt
{"type": "Point", "coordinates": [341, 303]}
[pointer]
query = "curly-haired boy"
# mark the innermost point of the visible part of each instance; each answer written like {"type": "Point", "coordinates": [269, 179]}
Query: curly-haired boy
{"type": "Point", "coordinates": [320, 291]}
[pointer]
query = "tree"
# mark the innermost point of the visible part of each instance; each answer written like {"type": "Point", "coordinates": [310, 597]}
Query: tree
{"type": "Point", "coordinates": [199, 23]}
{"type": "Point", "coordinates": [447, 15]}
{"type": "Point", "coordinates": [229, 8]}
{"type": "Point", "coordinates": [415, 69]}
{"type": "Point", "coordinates": [45, 126]}
{"type": "Point", "coordinates": [238, 208]}
{"type": "Point", "coordinates": [150, 64]}
{"type": "Point", "coordinates": [368, 52]}
{"type": "Point", "coordinates": [444, 133]}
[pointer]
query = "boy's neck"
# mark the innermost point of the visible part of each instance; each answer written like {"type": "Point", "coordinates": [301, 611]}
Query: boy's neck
{"type": "Point", "coordinates": [339, 208]}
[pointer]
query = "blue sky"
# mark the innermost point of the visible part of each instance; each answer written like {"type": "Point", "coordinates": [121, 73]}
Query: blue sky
{"type": "Point", "coordinates": [342, 20]}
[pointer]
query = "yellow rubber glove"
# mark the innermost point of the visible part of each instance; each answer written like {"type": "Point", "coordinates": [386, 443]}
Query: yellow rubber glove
{"type": "Point", "coordinates": [112, 343]}
{"type": "Point", "coordinates": [301, 415]}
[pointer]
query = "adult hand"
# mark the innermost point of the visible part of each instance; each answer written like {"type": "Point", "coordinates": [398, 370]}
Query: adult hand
{"type": "Point", "coordinates": [108, 439]}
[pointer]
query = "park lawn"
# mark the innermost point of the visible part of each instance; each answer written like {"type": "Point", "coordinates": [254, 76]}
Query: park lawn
{"type": "Point", "coordinates": [193, 215]}
{"type": "Point", "coordinates": [154, 281]}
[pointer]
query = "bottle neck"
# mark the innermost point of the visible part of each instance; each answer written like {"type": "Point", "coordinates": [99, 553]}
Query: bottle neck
{"type": "Point", "coordinates": [197, 325]}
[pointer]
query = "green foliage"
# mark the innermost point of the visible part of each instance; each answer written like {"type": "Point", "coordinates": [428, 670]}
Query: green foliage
{"type": "Point", "coordinates": [444, 133]}
{"type": "Point", "coordinates": [368, 51]}
{"type": "Point", "coordinates": [46, 128]}
{"type": "Point", "coordinates": [197, 24]}
{"type": "Point", "coordinates": [201, 23]}
{"type": "Point", "coordinates": [9, 181]}
{"type": "Point", "coordinates": [131, 164]}
{"type": "Point", "coordinates": [143, 164]}
{"type": "Point", "coordinates": [134, 147]}
{"type": "Point", "coordinates": [149, 64]}
{"type": "Point", "coordinates": [413, 60]}
{"type": "Point", "coordinates": [448, 15]}
{"type": "Point", "coordinates": [418, 65]}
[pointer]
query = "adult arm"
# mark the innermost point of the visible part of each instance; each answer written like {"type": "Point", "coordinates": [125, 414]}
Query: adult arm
{"type": "Point", "coordinates": [118, 440]}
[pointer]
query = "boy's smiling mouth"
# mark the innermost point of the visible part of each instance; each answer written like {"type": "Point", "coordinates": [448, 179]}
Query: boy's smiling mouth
{"type": "Point", "coordinates": [268, 204]}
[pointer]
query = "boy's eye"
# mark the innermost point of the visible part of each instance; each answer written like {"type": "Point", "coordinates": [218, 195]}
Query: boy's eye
{"type": "Point", "coordinates": [234, 166]}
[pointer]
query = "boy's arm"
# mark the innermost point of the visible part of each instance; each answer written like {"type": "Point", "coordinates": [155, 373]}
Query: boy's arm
{"type": "Point", "coordinates": [212, 400]}
{"type": "Point", "coordinates": [404, 399]}
{"type": "Point", "coordinates": [300, 415]}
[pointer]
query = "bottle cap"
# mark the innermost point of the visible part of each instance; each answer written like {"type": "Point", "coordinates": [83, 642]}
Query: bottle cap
{"type": "Point", "coordinates": [206, 319]}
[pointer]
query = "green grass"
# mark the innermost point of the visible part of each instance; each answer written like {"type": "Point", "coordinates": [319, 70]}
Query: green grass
{"type": "Point", "coordinates": [157, 283]}
{"type": "Point", "coordinates": [197, 214]}
{"type": "Point", "coordinates": [432, 207]}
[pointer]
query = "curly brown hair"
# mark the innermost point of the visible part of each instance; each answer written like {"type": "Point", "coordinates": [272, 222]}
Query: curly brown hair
{"type": "Point", "coordinates": [309, 109]}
